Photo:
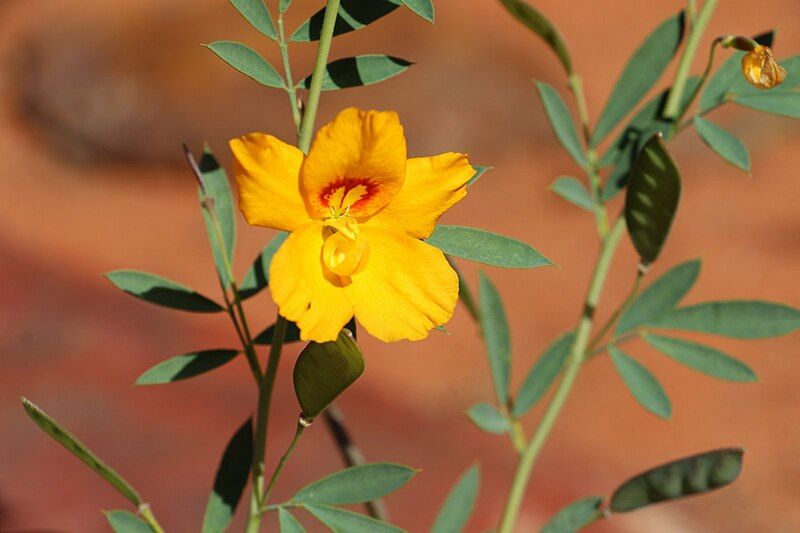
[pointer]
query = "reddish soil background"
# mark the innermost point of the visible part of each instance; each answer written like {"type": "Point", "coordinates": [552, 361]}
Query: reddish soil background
{"type": "Point", "coordinates": [93, 104]}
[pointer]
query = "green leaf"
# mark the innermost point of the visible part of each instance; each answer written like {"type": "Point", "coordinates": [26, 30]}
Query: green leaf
{"type": "Point", "coordinates": [561, 122]}
{"type": "Point", "coordinates": [574, 191]}
{"type": "Point", "coordinates": [641, 72]}
{"type": "Point", "coordinates": [357, 484]}
{"type": "Point", "coordinates": [727, 146]}
{"type": "Point", "coordinates": [538, 23]}
{"type": "Point", "coordinates": [740, 319]}
{"type": "Point", "coordinates": [642, 384]}
{"type": "Point", "coordinates": [479, 171]}
{"type": "Point", "coordinates": [652, 199]}
{"type": "Point", "coordinates": [325, 370]}
{"type": "Point", "coordinates": [283, 5]}
{"type": "Point", "coordinates": [357, 71]}
{"type": "Point", "coordinates": [126, 522]}
{"type": "Point", "coordinates": [574, 516]}
{"type": "Point", "coordinates": [703, 358]}
{"type": "Point", "coordinates": [257, 14]}
{"type": "Point", "coordinates": [495, 335]}
{"type": "Point", "coordinates": [292, 334]}
{"type": "Point", "coordinates": [786, 104]}
{"type": "Point", "coordinates": [684, 477]}
{"type": "Point", "coordinates": [230, 481]}
{"type": "Point", "coordinates": [464, 292]}
{"type": "Point", "coordinates": [79, 450]}
{"type": "Point", "coordinates": [248, 62]}
{"type": "Point", "coordinates": [341, 521]}
{"type": "Point", "coordinates": [485, 247]}
{"type": "Point", "coordinates": [186, 366]}
{"type": "Point", "coordinates": [543, 374]}
{"type": "Point", "coordinates": [423, 8]}
{"type": "Point", "coordinates": [218, 196]}
{"type": "Point", "coordinates": [457, 508]}
{"type": "Point", "coordinates": [353, 15]}
{"type": "Point", "coordinates": [660, 297]}
{"type": "Point", "coordinates": [257, 276]}
{"type": "Point", "coordinates": [289, 523]}
{"type": "Point", "coordinates": [161, 291]}
{"type": "Point", "coordinates": [487, 418]}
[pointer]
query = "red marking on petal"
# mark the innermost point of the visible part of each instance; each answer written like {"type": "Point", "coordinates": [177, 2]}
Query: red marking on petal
{"type": "Point", "coordinates": [349, 184]}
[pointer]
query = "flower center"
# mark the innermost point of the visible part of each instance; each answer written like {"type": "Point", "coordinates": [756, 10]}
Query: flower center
{"type": "Point", "coordinates": [345, 193]}
{"type": "Point", "coordinates": [345, 250]}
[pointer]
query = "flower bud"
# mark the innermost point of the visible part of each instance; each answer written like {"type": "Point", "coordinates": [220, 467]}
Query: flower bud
{"type": "Point", "coordinates": [761, 69]}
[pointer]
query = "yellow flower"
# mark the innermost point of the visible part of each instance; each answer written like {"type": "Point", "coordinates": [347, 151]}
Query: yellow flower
{"type": "Point", "coordinates": [357, 210]}
{"type": "Point", "coordinates": [761, 69]}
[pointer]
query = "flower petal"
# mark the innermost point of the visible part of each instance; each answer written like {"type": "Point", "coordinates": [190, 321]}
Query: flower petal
{"type": "Point", "coordinates": [267, 173]}
{"type": "Point", "coordinates": [360, 151]}
{"type": "Point", "coordinates": [406, 289]}
{"type": "Point", "coordinates": [305, 292]}
{"type": "Point", "coordinates": [432, 186]}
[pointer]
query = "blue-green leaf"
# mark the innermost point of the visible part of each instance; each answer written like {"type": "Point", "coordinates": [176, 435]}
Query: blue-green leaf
{"type": "Point", "coordinates": [574, 516]}
{"type": "Point", "coordinates": [541, 26]}
{"type": "Point", "coordinates": [257, 276]}
{"type": "Point", "coordinates": [574, 191]}
{"type": "Point", "coordinates": [230, 481]}
{"type": "Point", "coordinates": [341, 521]}
{"type": "Point", "coordinates": [486, 247]}
{"type": "Point", "coordinates": [126, 522]}
{"type": "Point", "coordinates": [703, 358]}
{"type": "Point", "coordinates": [487, 418]}
{"type": "Point", "coordinates": [353, 15]}
{"type": "Point", "coordinates": [358, 71]}
{"type": "Point", "coordinates": [740, 319]}
{"type": "Point", "coordinates": [423, 8]}
{"type": "Point", "coordinates": [357, 484]}
{"type": "Point", "coordinates": [248, 62]}
{"type": "Point", "coordinates": [543, 374]}
{"type": "Point", "coordinates": [644, 387]}
{"type": "Point", "coordinates": [186, 366]}
{"type": "Point", "coordinates": [660, 297]}
{"type": "Point", "coordinates": [786, 104]}
{"type": "Point", "coordinates": [641, 72]}
{"type": "Point", "coordinates": [289, 523]}
{"type": "Point", "coordinates": [561, 122]}
{"type": "Point", "coordinates": [216, 195]}
{"type": "Point", "coordinates": [161, 291]}
{"type": "Point", "coordinates": [495, 336]}
{"type": "Point", "coordinates": [725, 144]}
{"type": "Point", "coordinates": [457, 508]}
{"type": "Point", "coordinates": [266, 336]}
{"type": "Point", "coordinates": [257, 14]}
{"type": "Point", "coordinates": [479, 171]}
{"type": "Point", "coordinates": [283, 5]}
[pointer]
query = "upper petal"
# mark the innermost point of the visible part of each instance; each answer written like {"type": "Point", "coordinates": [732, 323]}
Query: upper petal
{"type": "Point", "coordinates": [305, 292]}
{"type": "Point", "coordinates": [406, 289]}
{"type": "Point", "coordinates": [267, 173]}
{"type": "Point", "coordinates": [362, 153]}
{"type": "Point", "coordinates": [432, 186]}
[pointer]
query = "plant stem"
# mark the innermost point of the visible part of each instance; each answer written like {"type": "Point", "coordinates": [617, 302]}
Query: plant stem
{"type": "Point", "coordinates": [595, 186]}
{"type": "Point", "coordinates": [147, 514]}
{"type": "Point", "coordinates": [618, 311]}
{"type": "Point", "coordinates": [575, 83]}
{"type": "Point", "coordinates": [673, 108]}
{"type": "Point", "coordinates": [323, 49]}
{"type": "Point", "coordinates": [517, 435]}
{"type": "Point", "coordinates": [298, 432]}
{"type": "Point", "coordinates": [287, 70]}
{"type": "Point", "coordinates": [577, 357]}
{"type": "Point", "coordinates": [622, 339]}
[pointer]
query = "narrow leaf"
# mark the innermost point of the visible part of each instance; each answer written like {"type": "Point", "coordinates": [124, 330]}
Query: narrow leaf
{"type": "Point", "coordinates": [543, 374]}
{"type": "Point", "coordinates": [266, 336]}
{"type": "Point", "coordinates": [79, 450]}
{"type": "Point", "coordinates": [538, 23]}
{"type": "Point", "coordinates": [341, 521]}
{"type": "Point", "coordinates": [574, 516]}
{"type": "Point", "coordinates": [486, 247]}
{"type": "Point", "coordinates": [161, 291]}
{"type": "Point", "coordinates": [641, 72]}
{"type": "Point", "coordinates": [289, 523]}
{"type": "Point", "coordinates": [684, 477]}
{"type": "Point", "coordinates": [487, 418]}
{"type": "Point", "coordinates": [186, 366]}
{"type": "Point", "coordinates": [283, 5]}
{"type": "Point", "coordinates": [561, 122]}
{"type": "Point", "coordinates": [652, 199]}
{"type": "Point", "coordinates": [230, 480]}
{"type": "Point", "coordinates": [457, 508]}
{"type": "Point", "coordinates": [357, 71]}
{"type": "Point", "coordinates": [257, 14]}
{"type": "Point", "coordinates": [574, 191]}
{"type": "Point", "coordinates": [660, 297]}
{"type": "Point", "coordinates": [785, 104]}
{"type": "Point", "coordinates": [219, 198]}
{"type": "Point", "coordinates": [126, 522]}
{"type": "Point", "coordinates": [741, 319]}
{"type": "Point", "coordinates": [725, 144]}
{"type": "Point", "coordinates": [353, 15]}
{"type": "Point", "coordinates": [257, 276]}
{"type": "Point", "coordinates": [465, 293]}
{"type": "Point", "coordinates": [703, 358]}
{"type": "Point", "coordinates": [479, 171]}
{"type": "Point", "coordinates": [248, 62]}
{"type": "Point", "coordinates": [642, 384]}
{"type": "Point", "coordinates": [423, 8]}
{"type": "Point", "coordinates": [495, 336]}
{"type": "Point", "coordinates": [357, 484]}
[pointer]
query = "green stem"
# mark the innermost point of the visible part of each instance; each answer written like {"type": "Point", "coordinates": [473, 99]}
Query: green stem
{"type": "Point", "coordinates": [517, 435]}
{"type": "Point", "coordinates": [676, 125]}
{"type": "Point", "coordinates": [618, 311]}
{"type": "Point", "coordinates": [323, 49]}
{"type": "Point", "coordinates": [595, 186]}
{"type": "Point", "coordinates": [673, 108]}
{"type": "Point", "coordinates": [575, 83]}
{"type": "Point", "coordinates": [622, 339]}
{"type": "Point", "coordinates": [298, 432]}
{"type": "Point", "coordinates": [287, 70]}
{"type": "Point", "coordinates": [577, 357]}
{"type": "Point", "coordinates": [147, 515]}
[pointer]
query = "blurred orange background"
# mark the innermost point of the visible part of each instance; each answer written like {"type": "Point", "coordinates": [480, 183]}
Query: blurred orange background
{"type": "Point", "coordinates": [95, 100]}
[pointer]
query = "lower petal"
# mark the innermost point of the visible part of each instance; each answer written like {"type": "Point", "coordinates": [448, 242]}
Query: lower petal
{"type": "Point", "coordinates": [406, 289]}
{"type": "Point", "coordinates": [305, 292]}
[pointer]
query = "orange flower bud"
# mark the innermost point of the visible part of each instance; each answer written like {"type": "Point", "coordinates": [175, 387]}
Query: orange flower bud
{"type": "Point", "coordinates": [761, 69]}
